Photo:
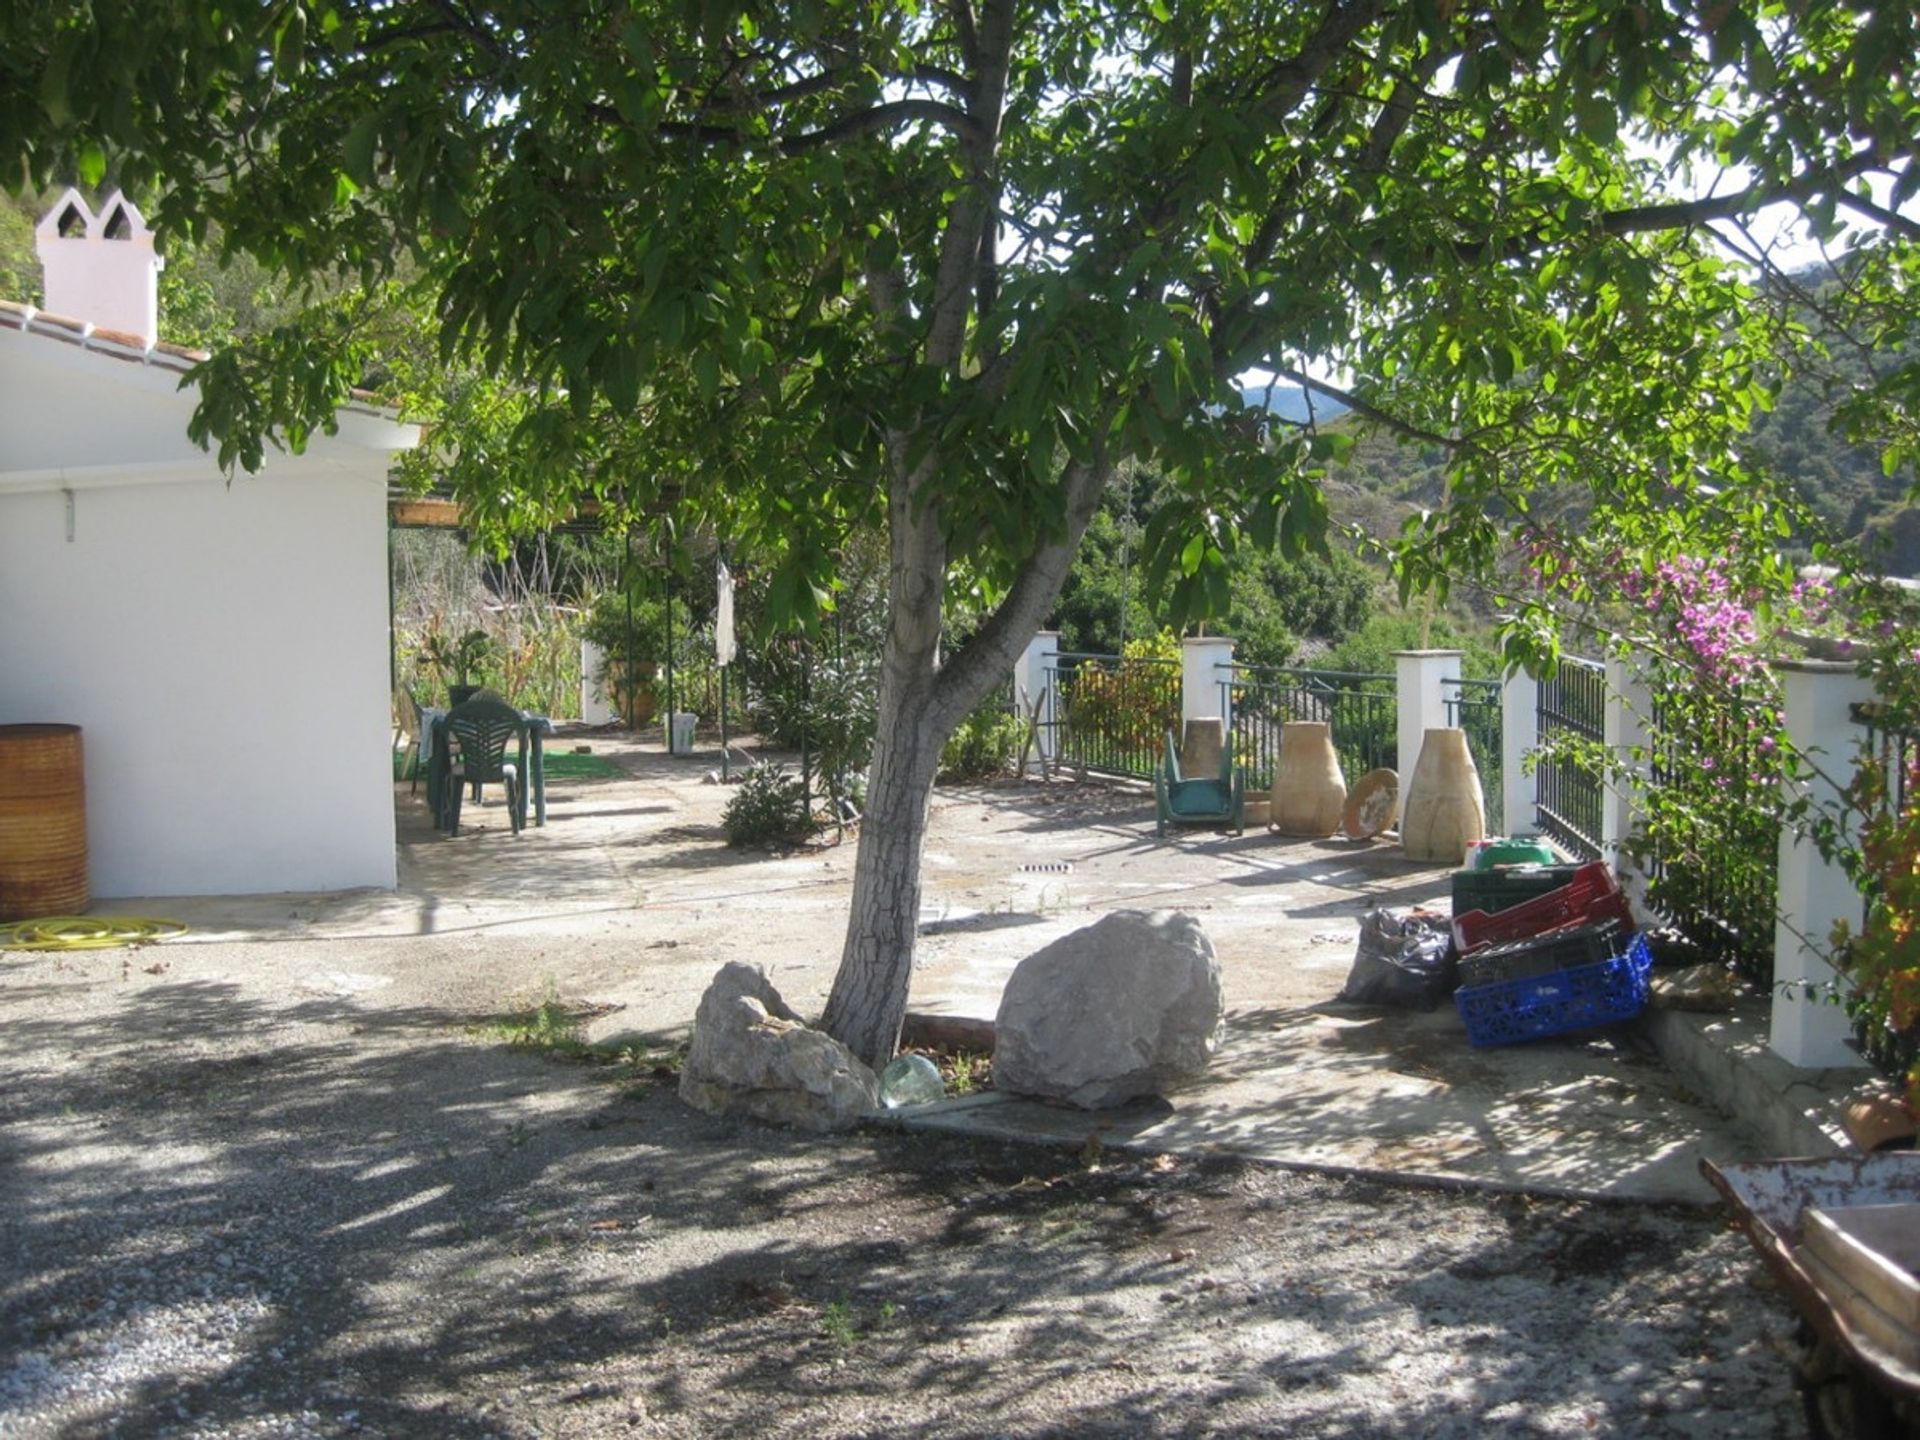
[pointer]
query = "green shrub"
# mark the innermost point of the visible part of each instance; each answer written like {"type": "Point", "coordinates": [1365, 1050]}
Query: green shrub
{"type": "Point", "coordinates": [823, 702]}
{"type": "Point", "coordinates": [984, 744]}
{"type": "Point", "coordinates": [769, 808]}
{"type": "Point", "coordinates": [1131, 707]}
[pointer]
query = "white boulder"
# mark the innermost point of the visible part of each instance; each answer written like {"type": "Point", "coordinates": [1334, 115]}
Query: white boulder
{"type": "Point", "coordinates": [751, 1055]}
{"type": "Point", "coordinates": [1126, 1007]}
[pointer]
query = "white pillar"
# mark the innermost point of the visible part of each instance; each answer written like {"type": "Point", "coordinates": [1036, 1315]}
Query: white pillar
{"type": "Point", "coordinates": [1421, 697]}
{"type": "Point", "coordinates": [1203, 674]}
{"type": "Point", "coordinates": [1626, 720]}
{"type": "Point", "coordinates": [1033, 681]}
{"type": "Point", "coordinates": [1809, 1029]}
{"type": "Point", "coordinates": [1519, 738]}
{"type": "Point", "coordinates": [594, 709]}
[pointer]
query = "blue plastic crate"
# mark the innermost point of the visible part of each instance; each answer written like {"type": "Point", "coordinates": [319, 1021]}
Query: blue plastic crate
{"type": "Point", "coordinates": [1539, 1005]}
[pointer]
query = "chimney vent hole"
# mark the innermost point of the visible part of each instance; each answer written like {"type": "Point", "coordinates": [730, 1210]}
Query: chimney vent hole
{"type": "Point", "coordinates": [118, 226]}
{"type": "Point", "coordinates": [72, 223]}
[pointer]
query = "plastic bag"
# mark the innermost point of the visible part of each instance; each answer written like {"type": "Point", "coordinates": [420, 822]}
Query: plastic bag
{"type": "Point", "coordinates": [1402, 960]}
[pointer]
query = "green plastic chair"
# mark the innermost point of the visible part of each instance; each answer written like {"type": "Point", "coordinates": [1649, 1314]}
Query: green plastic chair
{"type": "Point", "coordinates": [1203, 800]}
{"type": "Point", "coordinates": [477, 736]}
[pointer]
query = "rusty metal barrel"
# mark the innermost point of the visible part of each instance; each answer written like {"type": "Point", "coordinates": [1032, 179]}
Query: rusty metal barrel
{"type": "Point", "coordinates": [43, 822]}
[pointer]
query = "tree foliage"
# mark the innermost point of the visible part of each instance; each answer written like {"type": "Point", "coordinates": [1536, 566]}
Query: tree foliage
{"type": "Point", "coordinates": [1274, 604]}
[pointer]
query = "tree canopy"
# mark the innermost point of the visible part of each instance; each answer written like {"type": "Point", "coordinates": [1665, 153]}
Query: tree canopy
{"type": "Point", "coordinates": [793, 265]}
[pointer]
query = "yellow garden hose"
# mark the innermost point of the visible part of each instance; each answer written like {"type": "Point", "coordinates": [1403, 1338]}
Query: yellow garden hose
{"type": "Point", "coordinates": [81, 932]}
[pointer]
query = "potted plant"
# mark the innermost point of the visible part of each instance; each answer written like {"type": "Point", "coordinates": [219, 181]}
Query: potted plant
{"type": "Point", "coordinates": [456, 660]}
{"type": "Point", "coordinates": [607, 629]}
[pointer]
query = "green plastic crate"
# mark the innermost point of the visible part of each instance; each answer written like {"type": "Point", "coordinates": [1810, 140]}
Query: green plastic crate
{"type": "Point", "coordinates": [1505, 886]}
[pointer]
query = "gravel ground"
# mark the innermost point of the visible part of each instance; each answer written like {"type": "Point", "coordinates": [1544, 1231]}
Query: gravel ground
{"type": "Point", "coordinates": [228, 1210]}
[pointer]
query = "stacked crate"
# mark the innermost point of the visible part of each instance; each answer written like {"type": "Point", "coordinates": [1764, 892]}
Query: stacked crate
{"type": "Point", "coordinates": [1545, 949]}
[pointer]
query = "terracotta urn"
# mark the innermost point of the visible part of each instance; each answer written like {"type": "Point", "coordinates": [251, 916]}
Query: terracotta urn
{"type": "Point", "coordinates": [634, 703]}
{"type": "Point", "coordinates": [1444, 810]}
{"type": "Point", "coordinates": [1309, 792]}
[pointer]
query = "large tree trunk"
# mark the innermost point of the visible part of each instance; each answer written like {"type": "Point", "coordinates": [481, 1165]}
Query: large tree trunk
{"type": "Point", "coordinates": [869, 997]}
{"type": "Point", "coordinates": [920, 704]}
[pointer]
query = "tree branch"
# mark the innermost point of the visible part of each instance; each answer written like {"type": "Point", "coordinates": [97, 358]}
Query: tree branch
{"type": "Point", "coordinates": [993, 648]}
{"type": "Point", "coordinates": [885, 117]}
{"type": "Point", "coordinates": [861, 122]}
{"type": "Point", "coordinates": [1686, 214]}
{"type": "Point", "coordinates": [955, 84]}
{"type": "Point", "coordinates": [1891, 219]}
{"type": "Point", "coordinates": [1286, 84]}
{"type": "Point", "coordinates": [1371, 412]}
{"type": "Point", "coordinates": [968, 36]}
{"type": "Point", "coordinates": [976, 208]}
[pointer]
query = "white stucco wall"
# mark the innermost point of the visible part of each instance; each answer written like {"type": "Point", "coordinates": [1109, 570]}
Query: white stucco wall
{"type": "Point", "coordinates": [223, 648]}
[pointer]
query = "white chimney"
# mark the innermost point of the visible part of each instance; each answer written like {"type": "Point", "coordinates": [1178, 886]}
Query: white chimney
{"type": "Point", "coordinates": [101, 268]}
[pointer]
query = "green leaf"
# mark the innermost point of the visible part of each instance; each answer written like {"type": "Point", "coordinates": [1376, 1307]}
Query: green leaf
{"type": "Point", "coordinates": [357, 150]}
{"type": "Point", "coordinates": [290, 44]}
{"type": "Point", "coordinates": [1596, 119]}
{"type": "Point", "coordinates": [1191, 554]}
{"type": "Point", "coordinates": [56, 80]}
{"type": "Point", "coordinates": [91, 160]}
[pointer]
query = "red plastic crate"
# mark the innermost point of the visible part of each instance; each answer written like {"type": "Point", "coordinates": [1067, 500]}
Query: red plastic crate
{"type": "Point", "coordinates": [1591, 896]}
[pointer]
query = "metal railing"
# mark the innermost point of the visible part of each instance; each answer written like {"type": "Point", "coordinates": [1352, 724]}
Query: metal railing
{"type": "Point", "coordinates": [1896, 751]}
{"type": "Point", "coordinates": [1568, 785]}
{"type": "Point", "coordinates": [1475, 707]}
{"type": "Point", "coordinates": [1109, 716]}
{"type": "Point", "coordinates": [1360, 709]}
{"type": "Point", "coordinates": [1711, 847]}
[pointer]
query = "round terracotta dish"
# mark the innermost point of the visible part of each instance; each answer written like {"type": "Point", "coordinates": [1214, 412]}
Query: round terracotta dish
{"type": "Point", "coordinates": [1372, 806]}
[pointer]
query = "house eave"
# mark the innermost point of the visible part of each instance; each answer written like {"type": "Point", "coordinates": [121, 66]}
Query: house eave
{"type": "Point", "coordinates": [181, 360]}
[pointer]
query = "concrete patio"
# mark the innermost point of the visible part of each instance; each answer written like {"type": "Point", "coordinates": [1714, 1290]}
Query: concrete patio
{"type": "Point", "coordinates": [628, 900]}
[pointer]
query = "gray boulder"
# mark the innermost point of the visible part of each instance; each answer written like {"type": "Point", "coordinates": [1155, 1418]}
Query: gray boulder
{"type": "Point", "coordinates": [751, 1055]}
{"type": "Point", "coordinates": [1126, 1007]}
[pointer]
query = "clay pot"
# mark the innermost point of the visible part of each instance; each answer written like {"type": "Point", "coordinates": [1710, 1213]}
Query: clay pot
{"type": "Point", "coordinates": [634, 703]}
{"type": "Point", "coordinates": [1309, 792]}
{"type": "Point", "coordinates": [1444, 810]}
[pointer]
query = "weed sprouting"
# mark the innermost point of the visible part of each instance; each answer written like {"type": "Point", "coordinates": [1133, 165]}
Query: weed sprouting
{"type": "Point", "coordinates": [836, 1323]}
{"type": "Point", "coordinates": [965, 1072]}
{"type": "Point", "coordinates": [556, 1030]}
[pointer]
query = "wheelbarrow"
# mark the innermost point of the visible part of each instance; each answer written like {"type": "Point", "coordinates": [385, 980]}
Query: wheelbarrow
{"type": "Point", "coordinates": [1855, 1382]}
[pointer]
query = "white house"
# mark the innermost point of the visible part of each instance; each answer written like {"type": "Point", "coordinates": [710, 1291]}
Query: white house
{"type": "Point", "coordinates": [224, 646]}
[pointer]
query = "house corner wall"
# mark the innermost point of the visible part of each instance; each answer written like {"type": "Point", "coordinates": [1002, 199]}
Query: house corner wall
{"type": "Point", "coordinates": [224, 650]}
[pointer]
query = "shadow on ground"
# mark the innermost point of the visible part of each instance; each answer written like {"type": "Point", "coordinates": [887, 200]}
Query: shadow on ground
{"type": "Point", "coordinates": [379, 1219]}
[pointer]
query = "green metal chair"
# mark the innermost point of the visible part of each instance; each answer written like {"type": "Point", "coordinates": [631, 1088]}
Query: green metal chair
{"type": "Point", "coordinates": [477, 734]}
{"type": "Point", "coordinates": [1203, 800]}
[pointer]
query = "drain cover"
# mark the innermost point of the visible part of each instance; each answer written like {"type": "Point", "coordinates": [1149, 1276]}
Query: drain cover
{"type": "Point", "coordinates": [1048, 867]}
